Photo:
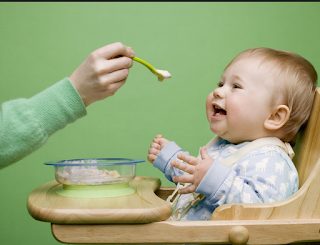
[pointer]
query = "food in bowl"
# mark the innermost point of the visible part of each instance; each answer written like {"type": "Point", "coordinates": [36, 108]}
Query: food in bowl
{"type": "Point", "coordinates": [97, 171]}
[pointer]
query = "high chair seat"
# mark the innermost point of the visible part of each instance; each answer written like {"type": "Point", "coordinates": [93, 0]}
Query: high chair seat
{"type": "Point", "coordinates": [295, 219]}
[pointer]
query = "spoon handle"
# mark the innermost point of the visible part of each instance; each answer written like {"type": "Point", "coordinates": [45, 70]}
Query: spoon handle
{"type": "Point", "coordinates": [146, 64]}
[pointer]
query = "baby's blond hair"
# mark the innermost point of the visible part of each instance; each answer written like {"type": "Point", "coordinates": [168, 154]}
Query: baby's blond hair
{"type": "Point", "coordinates": [295, 81]}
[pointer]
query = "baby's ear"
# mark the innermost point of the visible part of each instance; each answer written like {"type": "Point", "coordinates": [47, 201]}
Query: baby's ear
{"type": "Point", "coordinates": [278, 118]}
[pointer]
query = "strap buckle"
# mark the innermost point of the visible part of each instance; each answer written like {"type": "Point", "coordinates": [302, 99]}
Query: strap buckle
{"type": "Point", "coordinates": [174, 197]}
{"type": "Point", "coordinates": [192, 200]}
{"type": "Point", "coordinates": [289, 150]}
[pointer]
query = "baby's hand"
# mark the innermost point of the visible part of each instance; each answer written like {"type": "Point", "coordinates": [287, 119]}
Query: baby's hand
{"type": "Point", "coordinates": [196, 168]}
{"type": "Point", "coordinates": [157, 145]}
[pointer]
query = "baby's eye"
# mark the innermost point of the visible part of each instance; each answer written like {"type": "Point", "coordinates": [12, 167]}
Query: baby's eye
{"type": "Point", "coordinates": [236, 86]}
{"type": "Point", "coordinates": [220, 84]}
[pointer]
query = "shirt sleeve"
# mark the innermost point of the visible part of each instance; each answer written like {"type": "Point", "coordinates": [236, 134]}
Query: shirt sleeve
{"type": "Point", "coordinates": [262, 177]}
{"type": "Point", "coordinates": [26, 124]}
{"type": "Point", "coordinates": [165, 156]}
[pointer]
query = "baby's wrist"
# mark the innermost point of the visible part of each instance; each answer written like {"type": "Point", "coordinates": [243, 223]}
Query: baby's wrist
{"type": "Point", "coordinates": [163, 146]}
{"type": "Point", "coordinates": [164, 143]}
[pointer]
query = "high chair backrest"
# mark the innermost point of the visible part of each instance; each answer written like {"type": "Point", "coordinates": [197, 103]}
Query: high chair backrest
{"type": "Point", "coordinates": [307, 148]}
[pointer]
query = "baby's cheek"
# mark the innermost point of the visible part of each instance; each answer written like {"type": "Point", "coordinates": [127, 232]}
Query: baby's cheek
{"type": "Point", "coordinates": [209, 105]}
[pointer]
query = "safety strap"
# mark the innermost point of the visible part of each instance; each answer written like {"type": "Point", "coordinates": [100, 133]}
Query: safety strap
{"type": "Point", "coordinates": [195, 198]}
{"type": "Point", "coordinates": [229, 161]}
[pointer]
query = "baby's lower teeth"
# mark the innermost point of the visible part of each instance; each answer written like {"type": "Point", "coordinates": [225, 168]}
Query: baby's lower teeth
{"type": "Point", "coordinates": [218, 114]}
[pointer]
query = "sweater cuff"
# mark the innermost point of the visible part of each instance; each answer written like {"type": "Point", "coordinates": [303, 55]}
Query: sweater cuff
{"type": "Point", "coordinates": [213, 179]}
{"type": "Point", "coordinates": [57, 106]}
{"type": "Point", "coordinates": [165, 155]}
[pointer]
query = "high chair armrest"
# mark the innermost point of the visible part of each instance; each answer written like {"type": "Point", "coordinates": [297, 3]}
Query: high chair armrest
{"type": "Point", "coordinates": [164, 192]}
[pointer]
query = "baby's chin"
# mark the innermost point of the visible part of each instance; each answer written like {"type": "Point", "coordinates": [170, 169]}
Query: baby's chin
{"type": "Point", "coordinates": [225, 136]}
{"type": "Point", "coordinates": [216, 132]}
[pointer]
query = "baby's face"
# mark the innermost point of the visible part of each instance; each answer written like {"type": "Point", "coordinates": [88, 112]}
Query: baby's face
{"type": "Point", "coordinates": [238, 107]}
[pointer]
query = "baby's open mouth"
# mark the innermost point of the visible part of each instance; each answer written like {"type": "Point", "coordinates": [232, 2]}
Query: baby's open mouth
{"type": "Point", "coordinates": [217, 110]}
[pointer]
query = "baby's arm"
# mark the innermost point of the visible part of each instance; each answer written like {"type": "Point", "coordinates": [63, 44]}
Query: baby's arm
{"type": "Point", "coordinates": [161, 153]}
{"type": "Point", "coordinates": [261, 178]}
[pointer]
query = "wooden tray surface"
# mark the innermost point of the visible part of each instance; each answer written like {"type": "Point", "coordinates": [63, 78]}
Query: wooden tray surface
{"type": "Point", "coordinates": [144, 206]}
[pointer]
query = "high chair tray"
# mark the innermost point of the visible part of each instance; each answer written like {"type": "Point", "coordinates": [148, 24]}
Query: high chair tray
{"type": "Point", "coordinates": [144, 206]}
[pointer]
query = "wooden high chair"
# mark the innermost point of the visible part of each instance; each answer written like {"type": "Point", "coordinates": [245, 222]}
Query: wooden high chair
{"type": "Point", "coordinates": [296, 219]}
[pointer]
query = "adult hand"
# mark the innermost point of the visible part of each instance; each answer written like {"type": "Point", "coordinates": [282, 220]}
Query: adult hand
{"type": "Point", "coordinates": [103, 72]}
{"type": "Point", "coordinates": [196, 168]}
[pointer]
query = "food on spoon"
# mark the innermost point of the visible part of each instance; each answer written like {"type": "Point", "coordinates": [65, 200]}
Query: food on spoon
{"type": "Point", "coordinates": [165, 74]}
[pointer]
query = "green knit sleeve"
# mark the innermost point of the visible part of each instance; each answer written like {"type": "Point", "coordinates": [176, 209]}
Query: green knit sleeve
{"type": "Point", "coordinates": [26, 124]}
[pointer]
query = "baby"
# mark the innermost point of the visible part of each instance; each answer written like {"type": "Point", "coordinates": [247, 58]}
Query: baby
{"type": "Point", "coordinates": [262, 93]}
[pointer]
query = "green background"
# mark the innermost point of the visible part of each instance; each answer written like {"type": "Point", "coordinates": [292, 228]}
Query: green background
{"type": "Point", "coordinates": [41, 43]}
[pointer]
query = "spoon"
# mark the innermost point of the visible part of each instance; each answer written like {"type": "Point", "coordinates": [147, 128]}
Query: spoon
{"type": "Point", "coordinates": [161, 74]}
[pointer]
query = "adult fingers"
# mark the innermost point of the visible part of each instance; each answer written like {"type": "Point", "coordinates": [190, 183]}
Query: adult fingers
{"type": "Point", "coordinates": [108, 66]}
{"type": "Point", "coordinates": [110, 89]}
{"type": "Point", "coordinates": [189, 159]}
{"type": "Point", "coordinates": [183, 166]}
{"type": "Point", "coordinates": [114, 77]}
{"type": "Point", "coordinates": [112, 50]}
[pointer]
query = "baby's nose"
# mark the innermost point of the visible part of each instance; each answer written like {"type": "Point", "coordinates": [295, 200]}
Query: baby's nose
{"type": "Point", "coordinates": [218, 93]}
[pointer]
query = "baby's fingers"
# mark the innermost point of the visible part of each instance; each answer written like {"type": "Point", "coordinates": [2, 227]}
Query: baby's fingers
{"type": "Point", "coordinates": [185, 178]}
{"type": "Point", "coordinates": [204, 153]}
{"type": "Point", "coordinates": [157, 140]}
{"type": "Point", "coordinates": [183, 166]}
{"type": "Point", "coordinates": [155, 145]}
{"type": "Point", "coordinates": [152, 158]}
{"type": "Point", "coordinates": [187, 190]}
{"type": "Point", "coordinates": [153, 151]}
{"type": "Point", "coordinates": [189, 159]}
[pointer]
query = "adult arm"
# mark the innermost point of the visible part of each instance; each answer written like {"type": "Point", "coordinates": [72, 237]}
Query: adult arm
{"type": "Point", "coordinates": [26, 124]}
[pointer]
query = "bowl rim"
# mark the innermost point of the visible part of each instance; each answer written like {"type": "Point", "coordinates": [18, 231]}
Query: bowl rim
{"type": "Point", "coordinates": [125, 161]}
